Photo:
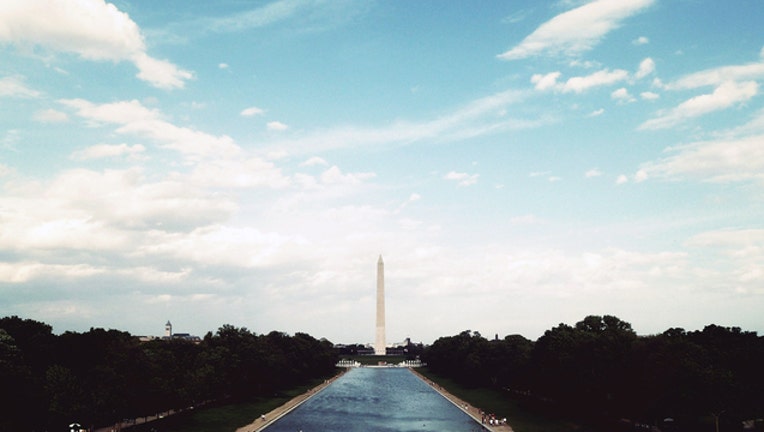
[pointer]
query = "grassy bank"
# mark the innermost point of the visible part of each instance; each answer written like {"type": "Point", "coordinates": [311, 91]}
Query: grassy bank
{"type": "Point", "coordinates": [501, 404]}
{"type": "Point", "coordinates": [223, 417]}
{"type": "Point", "coordinates": [229, 417]}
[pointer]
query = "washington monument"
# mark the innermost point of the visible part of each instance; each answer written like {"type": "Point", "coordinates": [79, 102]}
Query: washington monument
{"type": "Point", "coordinates": [379, 342]}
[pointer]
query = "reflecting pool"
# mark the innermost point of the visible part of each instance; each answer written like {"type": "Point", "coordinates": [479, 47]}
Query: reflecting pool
{"type": "Point", "coordinates": [376, 400]}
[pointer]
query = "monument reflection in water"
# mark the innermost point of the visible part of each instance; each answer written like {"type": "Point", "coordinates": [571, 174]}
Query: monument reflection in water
{"type": "Point", "coordinates": [376, 400]}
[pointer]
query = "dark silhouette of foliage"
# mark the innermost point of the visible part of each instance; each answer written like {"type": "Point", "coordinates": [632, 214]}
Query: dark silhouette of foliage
{"type": "Point", "coordinates": [600, 372]}
{"type": "Point", "coordinates": [474, 361]}
{"type": "Point", "coordinates": [102, 376]}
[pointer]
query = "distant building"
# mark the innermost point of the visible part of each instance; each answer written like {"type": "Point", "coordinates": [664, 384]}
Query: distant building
{"type": "Point", "coordinates": [405, 348]}
{"type": "Point", "coordinates": [169, 335]}
{"type": "Point", "coordinates": [186, 337]}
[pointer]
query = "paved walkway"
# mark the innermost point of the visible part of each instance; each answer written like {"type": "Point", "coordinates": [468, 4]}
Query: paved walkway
{"type": "Point", "coordinates": [270, 417]}
{"type": "Point", "coordinates": [261, 423]}
{"type": "Point", "coordinates": [266, 419]}
{"type": "Point", "coordinates": [257, 425]}
{"type": "Point", "coordinates": [473, 412]}
{"type": "Point", "coordinates": [141, 420]}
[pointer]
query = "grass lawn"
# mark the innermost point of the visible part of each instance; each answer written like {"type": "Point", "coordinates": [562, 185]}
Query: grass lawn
{"type": "Point", "coordinates": [227, 417]}
{"type": "Point", "coordinates": [499, 403]}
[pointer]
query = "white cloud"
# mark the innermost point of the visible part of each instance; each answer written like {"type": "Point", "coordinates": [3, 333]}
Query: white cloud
{"type": "Point", "coordinates": [622, 95]}
{"type": "Point", "coordinates": [719, 76]}
{"type": "Point", "coordinates": [309, 16]}
{"type": "Point", "coordinates": [479, 117]}
{"type": "Point", "coordinates": [270, 13]}
{"type": "Point", "coordinates": [92, 29]}
{"type": "Point", "coordinates": [126, 198]}
{"type": "Point", "coordinates": [753, 126]}
{"type": "Point", "coordinates": [732, 239]}
{"type": "Point", "coordinates": [578, 84]}
{"type": "Point", "coordinates": [463, 179]}
{"type": "Point", "coordinates": [649, 95]}
{"type": "Point", "coordinates": [723, 160]}
{"type": "Point", "coordinates": [646, 67]}
{"type": "Point", "coordinates": [134, 119]}
{"type": "Point", "coordinates": [515, 17]}
{"type": "Point", "coordinates": [251, 111]}
{"type": "Point", "coordinates": [20, 272]}
{"type": "Point", "coordinates": [528, 219]}
{"type": "Point", "coordinates": [726, 95]}
{"type": "Point", "coordinates": [599, 78]}
{"type": "Point", "coordinates": [160, 73]}
{"type": "Point", "coordinates": [101, 151]}
{"type": "Point", "coordinates": [51, 116]}
{"type": "Point", "coordinates": [544, 82]}
{"type": "Point", "coordinates": [621, 179]}
{"type": "Point", "coordinates": [741, 251]}
{"type": "Point", "coordinates": [593, 173]}
{"type": "Point", "coordinates": [10, 139]}
{"type": "Point", "coordinates": [125, 217]}
{"type": "Point", "coordinates": [642, 40]}
{"type": "Point", "coordinates": [733, 155]}
{"type": "Point", "coordinates": [414, 197]}
{"type": "Point", "coordinates": [13, 86]}
{"type": "Point", "coordinates": [221, 245]}
{"type": "Point", "coordinates": [313, 161]}
{"type": "Point", "coordinates": [597, 113]}
{"type": "Point", "coordinates": [236, 173]}
{"type": "Point", "coordinates": [577, 30]}
{"type": "Point", "coordinates": [223, 66]}
{"type": "Point", "coordinates": [83, 216]}
{"type": "Point", "coordinates": [584, 64]}
{"type": "Point", "coordinates": [334, 175]}
{"type": "Point", "coordinates": [276, 126]}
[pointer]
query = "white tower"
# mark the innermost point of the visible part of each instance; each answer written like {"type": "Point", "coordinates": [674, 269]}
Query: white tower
{"type": "Point", "coordinates": [379, 343]}
{"type": "Point", "coordinates": [168, 330]}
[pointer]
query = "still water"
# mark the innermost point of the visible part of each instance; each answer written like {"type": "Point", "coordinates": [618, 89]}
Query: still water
{"type": "Point", "coordinates": [376, 400]}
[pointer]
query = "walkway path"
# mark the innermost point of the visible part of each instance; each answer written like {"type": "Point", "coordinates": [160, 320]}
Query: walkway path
{"type": "Point", "coordinates": [261, 423]}
{"type": "Point", "coordinates": [257, 425]}
{"type": "Point", "coordinates": [473, 412]}
{"type": "Point", "coordinates": [270, 417]}
{"type": "Point", "coordinates": [140, 420]}
{"type": "Point", "coordinates": [266, 419]}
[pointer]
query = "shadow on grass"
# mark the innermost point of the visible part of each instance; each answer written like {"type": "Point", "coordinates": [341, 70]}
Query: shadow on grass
{"type": "Point", "coordinates": [501, 404]}
{"type": "Point", "coordinates": [229, 417]}
{"type": "Point", "coordinates": [222, 417]}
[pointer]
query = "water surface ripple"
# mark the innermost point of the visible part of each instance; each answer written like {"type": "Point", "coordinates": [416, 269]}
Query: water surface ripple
{"type": "Point", "coordinates": [376, 400]}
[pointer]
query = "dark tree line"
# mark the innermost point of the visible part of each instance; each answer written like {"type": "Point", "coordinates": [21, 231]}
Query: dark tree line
{"type": "Point", "coordinates": [601, 372]}
{"type": "Point", "coordinates": [101, 376]}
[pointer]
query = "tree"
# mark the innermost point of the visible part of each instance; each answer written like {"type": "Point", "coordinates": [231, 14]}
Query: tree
{"type": "Point", "coordinates": [18, 393]}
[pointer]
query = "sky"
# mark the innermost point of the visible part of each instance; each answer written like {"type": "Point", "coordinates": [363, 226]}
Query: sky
{"type": "Point", "coordinates": [518, 164]}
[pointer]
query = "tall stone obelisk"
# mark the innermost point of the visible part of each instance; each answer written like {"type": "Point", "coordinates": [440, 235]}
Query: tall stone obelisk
{"type": "Point", "coordinates": [379, 342]}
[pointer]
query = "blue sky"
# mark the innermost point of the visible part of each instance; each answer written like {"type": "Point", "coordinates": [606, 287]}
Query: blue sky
{"type": "Point", "coordinates": [517, 164]}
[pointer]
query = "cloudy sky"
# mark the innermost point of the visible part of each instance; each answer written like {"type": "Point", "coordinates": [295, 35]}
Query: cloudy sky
{"type": "Point", "coordinates": [517, 164]}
